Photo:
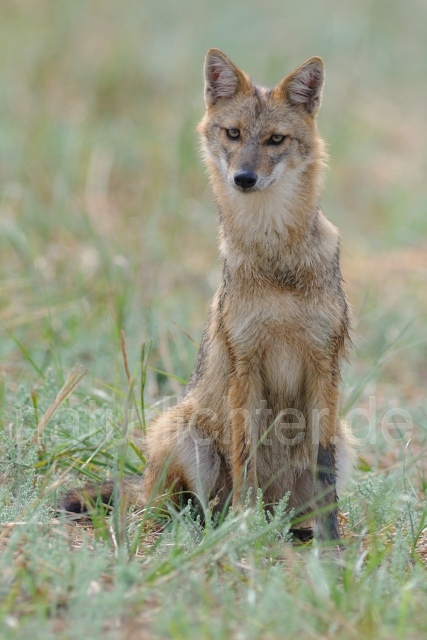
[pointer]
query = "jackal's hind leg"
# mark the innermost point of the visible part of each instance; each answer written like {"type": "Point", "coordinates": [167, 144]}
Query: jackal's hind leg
{"type": "Point", "coordinates": [184, 460]}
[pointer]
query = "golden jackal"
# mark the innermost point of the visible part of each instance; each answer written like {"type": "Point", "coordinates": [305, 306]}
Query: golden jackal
{"type": "Point", "coordinates": [261, 407]}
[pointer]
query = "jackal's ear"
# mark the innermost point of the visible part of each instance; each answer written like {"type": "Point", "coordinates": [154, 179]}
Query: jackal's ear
{"type": "Point", "coordinates": [303, 87]}
{"type": "Point", "coordinates": [222, 78]}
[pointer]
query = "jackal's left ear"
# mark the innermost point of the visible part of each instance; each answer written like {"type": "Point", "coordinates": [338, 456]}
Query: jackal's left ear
{"type": "Point", "coordinates": [222, 78]}
{"type": "Point", "coordinates": [303, 87]}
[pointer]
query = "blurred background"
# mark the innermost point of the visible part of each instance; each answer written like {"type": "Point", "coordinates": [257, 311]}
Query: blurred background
{"type": "Point", "coordinates": [106, 218]}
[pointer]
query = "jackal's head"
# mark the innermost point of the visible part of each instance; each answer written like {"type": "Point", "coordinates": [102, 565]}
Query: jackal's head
{"type": "Point", "coordinates": [254, 137]}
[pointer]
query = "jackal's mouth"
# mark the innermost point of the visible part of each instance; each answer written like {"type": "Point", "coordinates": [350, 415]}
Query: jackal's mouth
{"type": "Point", "coordinates": [246, 189]}
{"type": "Point", "coordinates": [260, 185]}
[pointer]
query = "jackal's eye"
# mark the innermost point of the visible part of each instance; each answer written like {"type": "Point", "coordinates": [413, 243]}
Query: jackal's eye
{"type": "Point", "coordinates": [276, 138]}
{"type": "Point", "coordinates": [233, 134]}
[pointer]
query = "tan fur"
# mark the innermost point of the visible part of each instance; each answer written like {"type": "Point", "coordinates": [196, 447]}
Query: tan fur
{"type": "Point", "coordinates": [278, 327]}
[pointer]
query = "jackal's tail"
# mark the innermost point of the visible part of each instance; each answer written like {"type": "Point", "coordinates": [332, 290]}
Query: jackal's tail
{"type": "Point", "coordinates": [81, 501]}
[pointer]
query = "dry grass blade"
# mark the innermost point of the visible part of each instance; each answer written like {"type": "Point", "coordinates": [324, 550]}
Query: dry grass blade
{"type": "Point", "coordinates": [131, 380]}
{"type": "Point", "coordinates": [125, 355]}
{"type": "Point", "coordinates": [73, 380]}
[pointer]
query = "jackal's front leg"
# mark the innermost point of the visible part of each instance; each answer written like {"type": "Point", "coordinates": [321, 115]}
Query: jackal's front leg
{"type": "Point", "coordinates": [324, 431]}
{"type": "Point", "coordinates": [245, 401]}
{"type": "Point", "coordinates": [326, 525]}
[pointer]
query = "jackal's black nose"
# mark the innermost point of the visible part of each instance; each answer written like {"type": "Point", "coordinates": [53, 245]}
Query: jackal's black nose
{"type": "Point", "coordinates": [245, 179]}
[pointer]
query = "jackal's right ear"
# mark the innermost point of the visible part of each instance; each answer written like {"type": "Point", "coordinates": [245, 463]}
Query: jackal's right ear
{"type": "Point", "coordinates": [222, 78]}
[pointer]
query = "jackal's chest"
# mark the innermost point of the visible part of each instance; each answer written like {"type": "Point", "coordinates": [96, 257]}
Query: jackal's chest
{"type": "Point", "coordinates": [277, 317]}
{"type": "Point", "coordinates": [281, 336]}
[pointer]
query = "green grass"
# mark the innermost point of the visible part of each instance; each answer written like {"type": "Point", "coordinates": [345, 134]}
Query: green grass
{"type": "Point", "coordinates": [107, 225]}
